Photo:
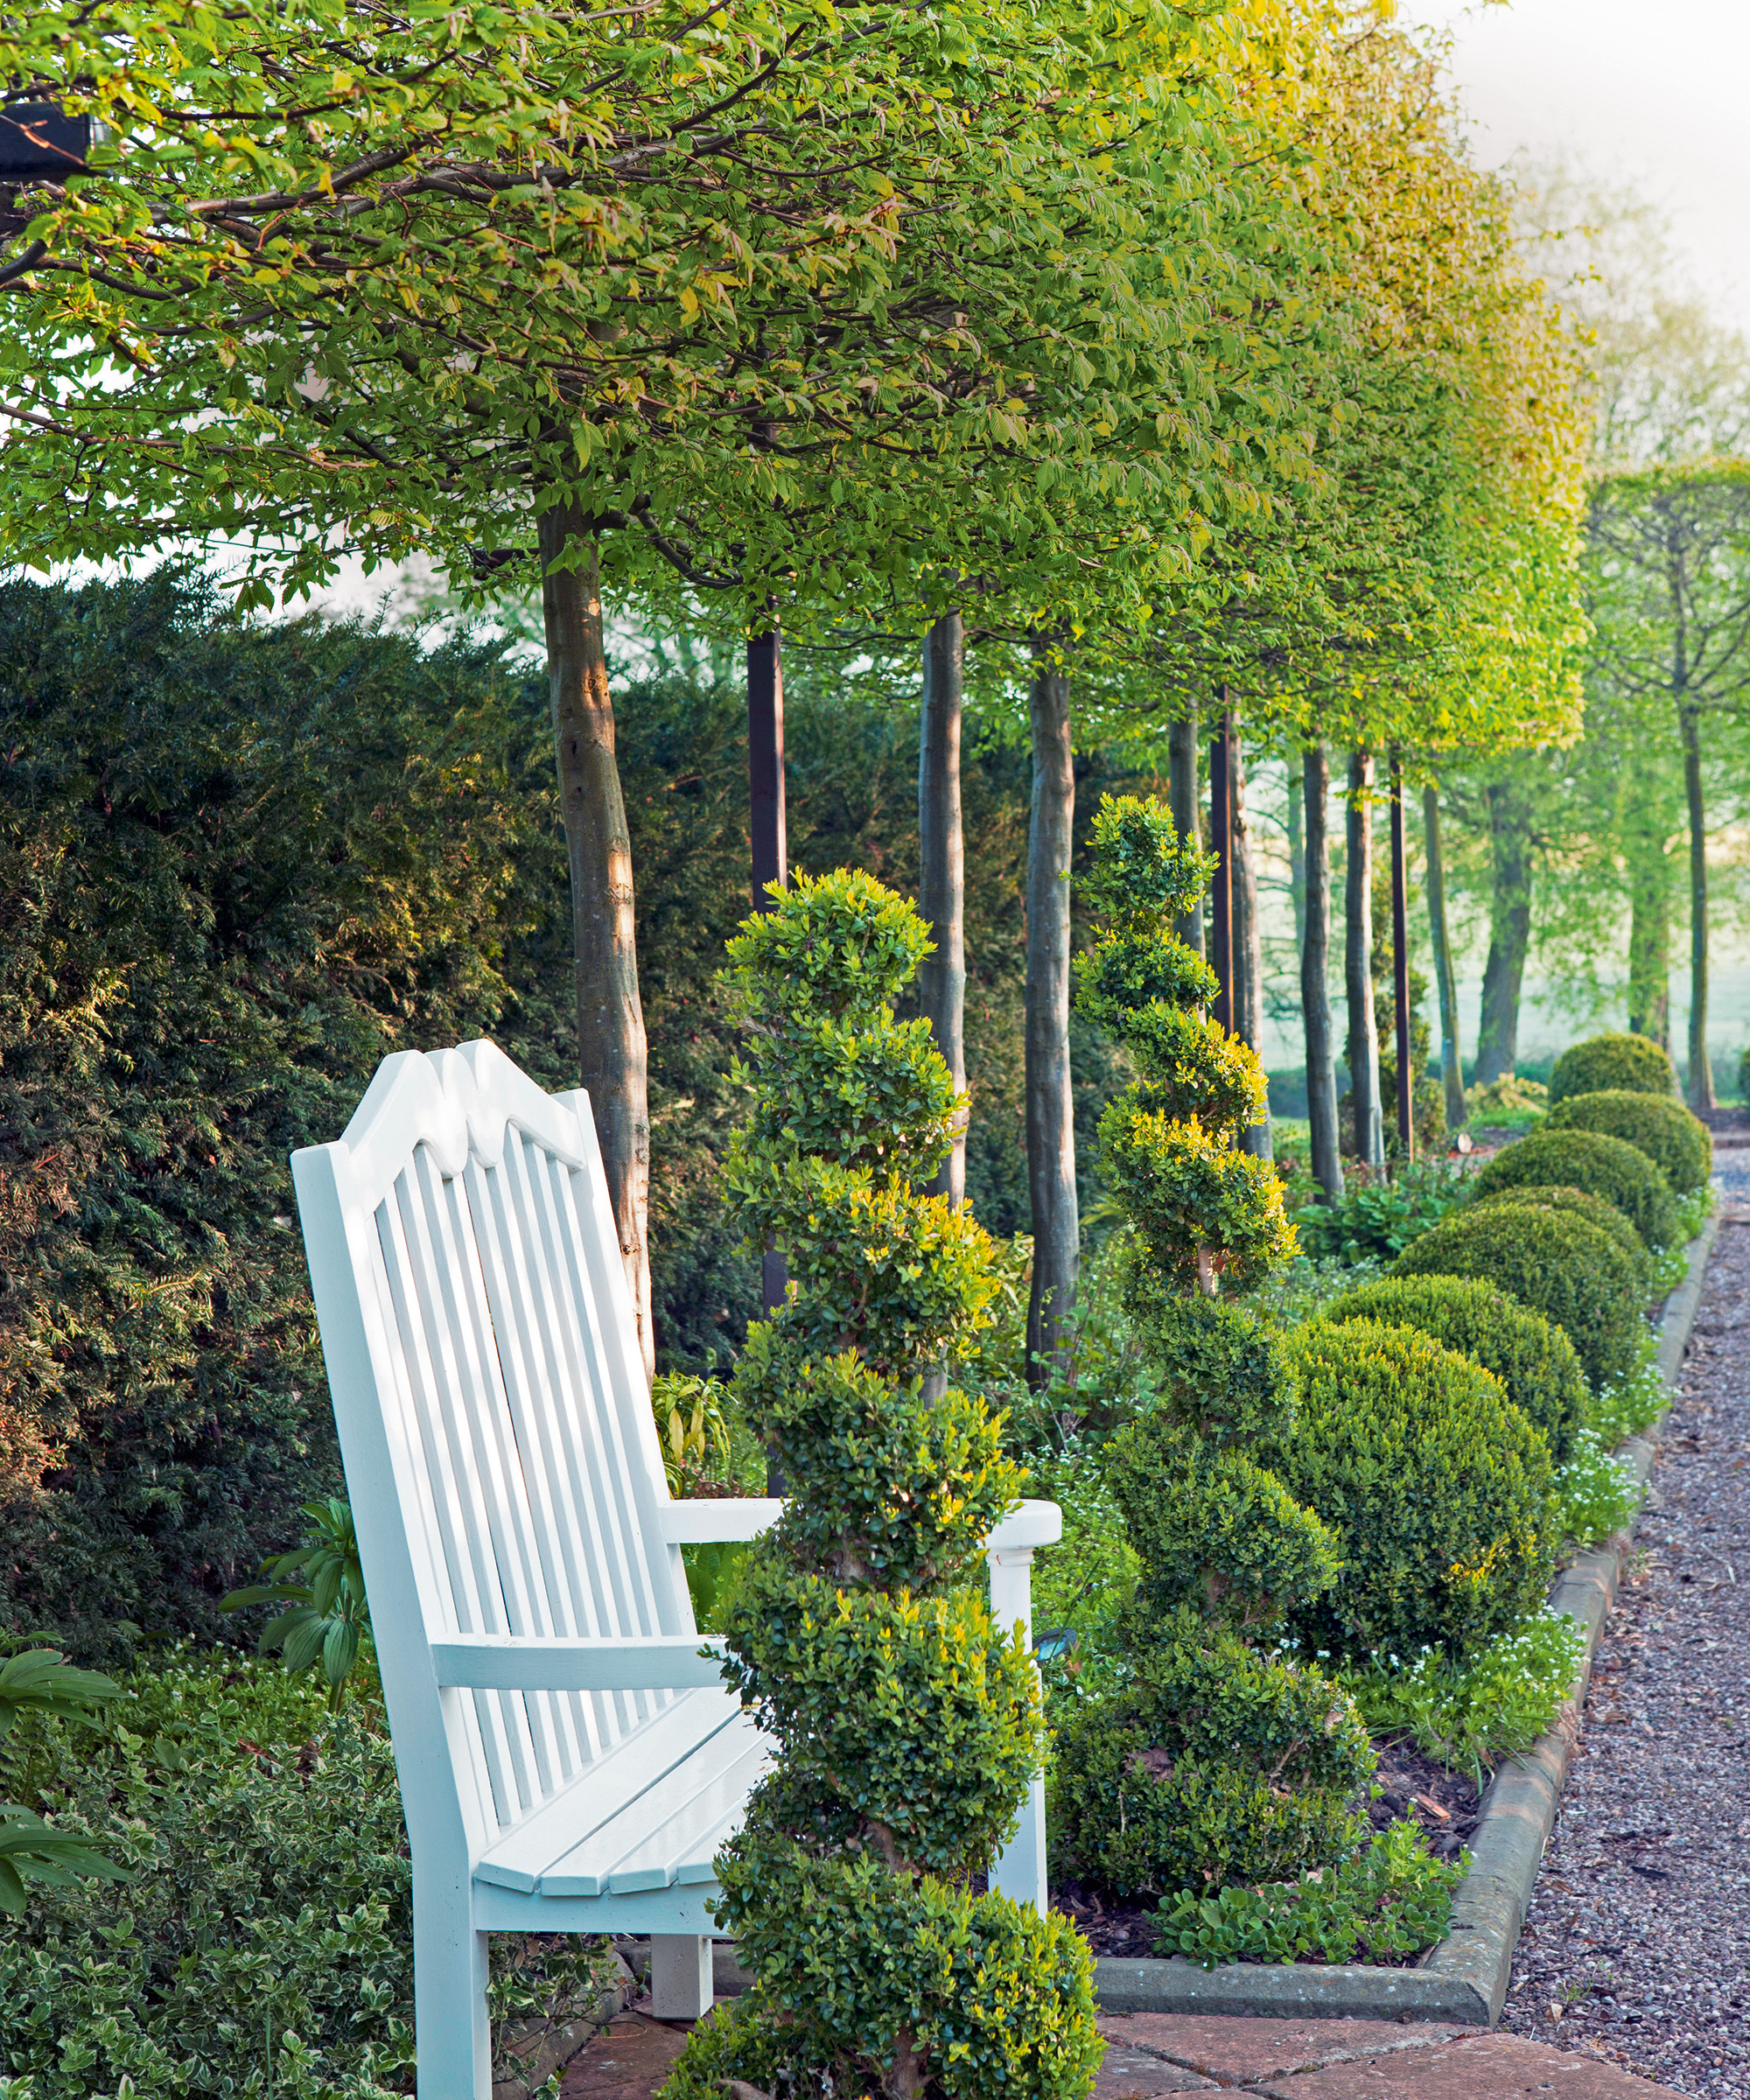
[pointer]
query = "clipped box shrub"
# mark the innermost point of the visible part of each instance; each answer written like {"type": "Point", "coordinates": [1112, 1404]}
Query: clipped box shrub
{"type": "Point", "coordinates": [1533, 1359]}
{"type": "Point", "coordinates": [1610, 1167]}
{"type": "Point", "coordinates": [1628, 1062]}
{"type": "Point", "coordinates": [1596, 1210]}
{"type": "Point", "coordinates": [1435, 1487]}
{"type": "Point", "coordinates": [1556, 1263]}
{"type": "Point", "coordinates": [1677, 1143]}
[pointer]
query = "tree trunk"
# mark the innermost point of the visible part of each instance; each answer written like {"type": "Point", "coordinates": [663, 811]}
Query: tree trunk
{"type": "Point", "coordinates": [1405, 1046]}
{"type": "Point", "coordinates": [1701, 1070]}
{"type": "Point", "coordinates": [1050, 1123]}
{"type": "Point", "coordinates": [941, 880]}
{"type": "Point", "coordinates": [1182, 784]}
{"type": "Point", "coordinates": [1452, 1063]}
{"type": "Point", "coordinates": [767, 836]}
{"type": "Point", "coordinates": [1315, 991]}
{"type": "Point", "coordinates": [1297, 860]}
{"type": "Point", "coordinates": [1221, 749]}
{"type": "Point", "coordinates": [1510, 926]}
{"type": "Point", "coordinates": [611, 1047]}
{"type": "Point", "coordinates": [1357, 957]}
{"type": "Point", "coordinates": [1649, 920]}
{"type": "Point", "coordinates": [1248, 948]}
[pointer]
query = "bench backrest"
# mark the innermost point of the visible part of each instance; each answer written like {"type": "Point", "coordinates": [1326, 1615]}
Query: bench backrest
{"type": "Point", "coordinates": [501, 1458]}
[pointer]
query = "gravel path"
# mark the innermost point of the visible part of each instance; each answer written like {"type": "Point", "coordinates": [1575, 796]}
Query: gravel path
{"type": "Point", "coordinates": [1638, 1944]}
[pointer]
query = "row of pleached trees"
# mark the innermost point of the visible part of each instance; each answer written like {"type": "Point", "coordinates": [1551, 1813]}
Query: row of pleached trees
{"type": "Point", "coordinates": [1179, 360]}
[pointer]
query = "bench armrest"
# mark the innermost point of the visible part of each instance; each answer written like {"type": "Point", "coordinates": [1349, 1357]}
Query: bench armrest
{"type": "Point", "coordinates": [1033, 1524]}
{"type": "Point", "coordinates": [716, 1520]}
{"type": "Point", "coordinates": [532, 1662]}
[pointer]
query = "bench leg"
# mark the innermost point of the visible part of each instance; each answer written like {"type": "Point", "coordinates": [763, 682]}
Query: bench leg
{"type": "Point", "coordinates": [453, 2036]}
{"type": "Point", "coordinates": [680, 1985]}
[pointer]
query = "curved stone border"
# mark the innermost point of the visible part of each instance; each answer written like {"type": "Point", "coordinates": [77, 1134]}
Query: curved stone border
{"type": "Point", "coordinates": [1464, 1978]}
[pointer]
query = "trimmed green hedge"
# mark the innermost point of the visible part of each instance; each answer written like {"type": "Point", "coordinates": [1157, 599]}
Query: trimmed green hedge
{"type": "Point", "coordinates": [1610, 1167]}
{"type": "Point", "coordinates": [1628, 1062]}
{"type": "Point", "coordinates": [1556, 1263]}
{"type": "Point", "coordinates": [1596, 1210]}
{"type": "Point", "coordinates": [1436, 1486]}
{"type": "Point", "coordinates": [1677, 1143]}
{"type": "Point", "coordinates": [1531, 1356]}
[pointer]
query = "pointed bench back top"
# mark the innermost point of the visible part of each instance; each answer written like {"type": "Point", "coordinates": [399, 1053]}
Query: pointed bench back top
{"type": "Point", "coordinates": [501, 1458]}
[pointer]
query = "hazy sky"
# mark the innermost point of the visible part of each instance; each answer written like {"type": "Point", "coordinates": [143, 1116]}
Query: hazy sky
{"type": "Point", "coordinates": [1655, 91]}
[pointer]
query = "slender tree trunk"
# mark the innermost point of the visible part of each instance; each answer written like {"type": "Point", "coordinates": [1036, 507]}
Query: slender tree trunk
{"type": "Point", "coordinates": [1452, 1063]}
{"type": "Point", "coordinates": [1248, 948]}
{"type": "Point", "coordinates": [1315, 991]}
{"type": "Point", "coordinates": [942, 981]}
{"type": "Point", "coordinates": [767, 836]}
{"type": "Point", "coordinates": [1051, 1123]}
{"type": "Point", "coordinates": [1297, 859]}
{"type": "Point", "coordinates": [1182, 785]}
{"type": "Point", "coordinates": [1357, 959]}
{"type": "Point", "coordinates": [1650, 926]}
{"type": "Point", "coordinates": [611, 1047]}
{"type": "Point", "coordinates": [1510, 926]}
{"type": "Point", "coordinates": [1701, 1070]}
{"type": "Point", "coordinates": [1221, 845]}
{"type": "Point", "coordinates": [1405, 1046]}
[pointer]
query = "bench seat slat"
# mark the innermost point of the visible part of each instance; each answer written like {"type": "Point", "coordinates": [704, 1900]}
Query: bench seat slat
{"type": "Point", "coordinates": [657, 1831]}
{"type": "Point", "coordinates": [644, 1758]}
{"type": "Point", "coordinates": [682, 1847]}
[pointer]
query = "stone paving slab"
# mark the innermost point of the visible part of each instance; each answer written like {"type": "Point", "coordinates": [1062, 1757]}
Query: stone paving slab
{"type": "Point", "coordinates": [1151, 2054]}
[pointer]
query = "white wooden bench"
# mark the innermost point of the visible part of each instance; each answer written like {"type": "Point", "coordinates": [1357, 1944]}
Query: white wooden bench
{"type": "Point", "coordinates": [569, 1761]}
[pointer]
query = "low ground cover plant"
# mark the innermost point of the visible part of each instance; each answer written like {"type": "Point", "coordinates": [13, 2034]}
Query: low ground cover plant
{"type": "Point", "coordinates": [1632, 1063]}
{"type": "Point", "coordinates": [1587, 1159]}
{"type": "Point", "coordinates": [1378, 1218]}
{"type": "Point", "coordinates": [1676, 1142]}
{"type": "Point", "coordinates": [1558, 1264]}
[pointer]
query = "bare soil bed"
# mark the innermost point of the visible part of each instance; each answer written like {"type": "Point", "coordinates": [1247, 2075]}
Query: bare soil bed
{"type": "Point", "coordinates": [1637, 1947]}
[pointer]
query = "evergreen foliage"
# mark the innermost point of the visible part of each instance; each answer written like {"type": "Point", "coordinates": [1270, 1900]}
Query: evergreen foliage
{"type": "Point", "coordinates": [1533, 1359]}
{"type": "Point", "coordinates": [1678, 1143]}
{"type": "Point", "coordinates": [1217, 1759]}
{"type": "Point", "coordinates": [1434, 1487]}
{"type": "Point", "coordinates": [1557, 1264]}
{"type": "Point", "coordinates": [1605, 1166]}
{"type": "Point", "coordinates": [909, 1725]}
{"type": "Point", "coordinates": [1596, 1210]}
{"type": "Point", "coordinates": [1618, 1062]}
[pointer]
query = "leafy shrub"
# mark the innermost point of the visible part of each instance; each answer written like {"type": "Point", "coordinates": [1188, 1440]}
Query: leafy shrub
{"type": "Point", "coordinates": [264, 1942]}
{"type": "Point", "coordinates": [1509, 1103]}
{"type": "Point", "coordinates": [1387, 1897]}
{"type": "Point", "coordinates": [1559, 1265]}
{"type": "Point", "coordinates": [1596, 1210]}
{"type": "Point", "coordinates": [1377, 1220]}
{"type": "Point", "coordinates": [908, 1723]}
{"type": "Point", "coordinates": [1534, 1359]}
{"type": "Point", "coordinates": [1631, 1064]}
{"type": "Point", "coordinates": [1595, 1494]}
{"type": "Point", "coordinates": [1434, 1486]}
{"type": "Point", "coordinates": [1472, 1714]}
{"type": "Point", "coordinates": [1672, 1139]}
{"type": "Point", "coordinates": [322, 1583]}
{"type": "Point", "coordinates": [1622, 1173]}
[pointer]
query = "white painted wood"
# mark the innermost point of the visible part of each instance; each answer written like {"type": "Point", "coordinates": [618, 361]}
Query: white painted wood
{"type": "Point", "coordinates": [569, 1759]}
{"type": "Point", "coordinates": [1020, 1869]}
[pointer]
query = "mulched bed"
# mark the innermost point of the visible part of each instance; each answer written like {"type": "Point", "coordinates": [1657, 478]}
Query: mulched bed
{"type": "Point", "coordinates": [1445, 1804]}
{"type": "Point", "coordinates": [1637, 1947]}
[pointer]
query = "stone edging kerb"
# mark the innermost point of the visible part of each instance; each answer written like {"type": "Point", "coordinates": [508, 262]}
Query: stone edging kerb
{"type": "Point", "coordinates": [1464, 1978]}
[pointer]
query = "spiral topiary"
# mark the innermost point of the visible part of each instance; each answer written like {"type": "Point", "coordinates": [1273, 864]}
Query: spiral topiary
{"type": "Point", "coordinates": [1631, 1062]}
{"type": "Point", "coordinates": [908, 1724]}
{"type": "Point", "coordinates": [1621, 1172]}
{"type": "Point", "coordinates": [1220, 1759]}
{"type": "Point", "coordinates": [1556, 1263]}
{"type": "Point", "coordinates": [1532, 1358]}
{"type": "Point", "coordinates": [1678, 1143]}
{"type": "Point", "coordinates": [1581, 1203]}
{"type": "Point", "coordinates": [1434, 1487]}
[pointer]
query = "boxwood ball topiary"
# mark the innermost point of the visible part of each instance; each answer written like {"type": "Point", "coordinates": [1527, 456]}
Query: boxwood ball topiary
{"type": "Point", "coordinates": [1557, 1265]}
{"type": "Point", "coordinates": [1610, 1167]}
{"type": "Point", "coordinates": [1434, 1485]}
{"type": "Point", "coordinates": [1533, 1359]}
{"type": "Point", "coordinates": [1630, 1062]}
{"type": "Point", "coordinates": [1677, 1143]}
{"type": "Point", "coordinates": [1581, 1203]}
